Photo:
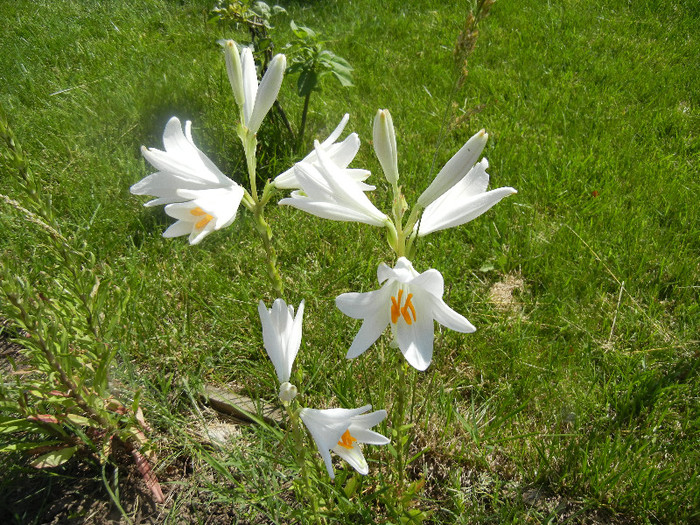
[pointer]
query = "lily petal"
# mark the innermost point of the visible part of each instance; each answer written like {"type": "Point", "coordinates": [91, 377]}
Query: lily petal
{"type": "Point", "coordinates": [281, 335]}
{"type": "Point", "coordinates": [341, 153]}
{"type": "Point", "coordinates": [448, 318]}
{"type": "Point", "coordinates": [372, 307]}
{"type": "Point", "coordinates": [250, 83]}
{"type": "Point", "coordinates": [353, 456]}
{"type": "Point", "coordinates": [455, 212]}
{"type": "Point", "coordinates": [328, 192]}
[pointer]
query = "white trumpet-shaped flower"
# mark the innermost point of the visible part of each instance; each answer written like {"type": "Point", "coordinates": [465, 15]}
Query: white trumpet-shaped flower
{"type": "Point", "coordinates": [253, 100]}
{"type": "Point", "coordinates": [455, 168]}
{"type": "Point", "coordinates": [196, 193]}
{"type": "Point", "coordinates": [282, 339]}
{"type": "Point", "coordinates": [341, 153]}
{"type": "Point", "coordinates": [342, 430]}
{"type": "Point", "coordinates": [384, 139]}
{"type": "Point", "coordinates": [409, 302]}
{"type": "Point", "coordinates": [205, 211]}
{"type": "Point", "coordinates": [463, 202]}
{"type": "Point", "coordinates": [329, 192]}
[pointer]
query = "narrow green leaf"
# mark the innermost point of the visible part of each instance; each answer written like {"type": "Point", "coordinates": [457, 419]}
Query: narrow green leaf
{"type": "Point", "coordinates": [17, 425]}
{"type": "Point", "coordinates": [19, 447]}
{"type": "Point", "coordinates": [80, 420]}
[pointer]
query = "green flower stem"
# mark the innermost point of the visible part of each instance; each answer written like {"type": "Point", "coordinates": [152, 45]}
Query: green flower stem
{"type": "Point", "coordinates": [400, 236]}
{"type": "Point", "coordinates": [399, 415]}
{"type": "Point", "coordinates": [409, 233]}
{"type": "Point", "coordinates": [256, 205]}
{"type": "Point", "coordinates": [250, 143]}
{"type": "Point", "coordinates": [297, 431]}
{"type": "Point", "coordinates": [302, 125]}
{"type": "Point", "coordinates": [265, 233]}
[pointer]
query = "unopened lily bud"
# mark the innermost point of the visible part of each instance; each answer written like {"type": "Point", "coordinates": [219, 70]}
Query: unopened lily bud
{"type": "Point", "coordinates": [267, 91]}
{"type": "Point", "coordinates": [287, 392]}
{"type": "Point", "coordinates": [385, 145]}
{"type": "Point", "coordinates": [455, 169]}
{"type": "Point", "coordinates": [234, 70]}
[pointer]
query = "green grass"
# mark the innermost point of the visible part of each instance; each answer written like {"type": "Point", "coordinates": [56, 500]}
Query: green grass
{"type": "Point", "coordinates": [592, 110]}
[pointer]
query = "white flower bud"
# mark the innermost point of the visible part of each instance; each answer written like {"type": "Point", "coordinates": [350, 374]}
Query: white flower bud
{"type": "Point", "coordinates": [287, 392]}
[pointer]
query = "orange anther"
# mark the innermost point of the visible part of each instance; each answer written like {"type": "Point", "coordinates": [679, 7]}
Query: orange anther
{"type": "Point", "coordinates": [398, 311]}
{"type": "Point", "coordinates": [404, 311]}
{"type": "Point", "coordinates": [347, 440]}
{"type": "Point", "coordinates": [206, 218]}
{"type": "Point", "coordinates": [396, 307]}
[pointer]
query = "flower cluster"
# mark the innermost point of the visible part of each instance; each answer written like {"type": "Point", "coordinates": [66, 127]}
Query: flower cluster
{"type": "Point", "coordinates": [408, 302]}
{"type": "Point", "coordinates": [194, 190]}
{"type": "Point", "coordinates": [203, 199]}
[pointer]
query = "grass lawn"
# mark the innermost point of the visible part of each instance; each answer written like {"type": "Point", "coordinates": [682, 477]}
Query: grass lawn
{"type": "Point", "coordinates": [577, 398]}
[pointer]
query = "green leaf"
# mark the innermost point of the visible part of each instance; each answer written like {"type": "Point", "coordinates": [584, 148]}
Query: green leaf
{"type": "Point", "coordinates": [301, 32]}
{"type": "Point", "coordinates": [19, 447]}
{"type": "Point", "coordinates": [261, 9]}
{"type": "Point", "coordinates": [341, 63]}
{"type": "Point", "coordinates": [80, 420]}
{"type": "Point", "coordinates": [308, 79]}
{"type": "Point", "coordinates": [54, 458]}
{"type": "Point", "coordinates": [414, 516]}
{"type": "Point", "coordinates": [344, 78]}
{"type": "Point", "coordinates": [9, 406]}
{"type": "Point", "coordinates": [296, 67]}
{"type": "Point", "coordinates": [18, 425]}
{"type": "Point", "coordinates": [351, 487]}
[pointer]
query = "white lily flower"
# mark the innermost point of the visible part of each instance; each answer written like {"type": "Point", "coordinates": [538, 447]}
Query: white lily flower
{"type": "Point", "coordinates": [455, 168]}
{"type": "Point", "coordinates": [282, 337]}
{"type": "Point", "coordinates": [409, 302]}
{"type": "Point", "coordinates": [342, 430]}
{"type": "Point", "coordinates": [195, 190]}
{"type": "Point", "coordinates": [329, 192]}
{"type": "Point", "coordinates": [255, 101]}
{"type": "Point", "coordinates": [204, 212]}
{"type": "Point", "coordinates": [341, 153]}
{"type": "Point", "coordinates": [384, 139]}
{"type": "Point", "coordinates": [463, 202]}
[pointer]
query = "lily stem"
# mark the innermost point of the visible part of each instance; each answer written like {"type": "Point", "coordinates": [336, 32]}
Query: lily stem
{"type": "Point", "coordinates": [300, 449]}
{"type": "Point", "coordinates": [265, 233]}
{"type": "Point", "coordinates": [302, 125]}
{"type": "Point", "coordinates": [256, 204]}
{"type": "Point", "coordinates": [399, 416]}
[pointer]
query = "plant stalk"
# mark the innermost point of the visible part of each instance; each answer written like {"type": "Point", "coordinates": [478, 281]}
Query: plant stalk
{"type": "Point", "coordinates": [302, 125]}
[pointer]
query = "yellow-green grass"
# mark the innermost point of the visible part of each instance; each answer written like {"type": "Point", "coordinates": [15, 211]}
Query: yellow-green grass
{"type": "Point", "coordinates": [574, 384]}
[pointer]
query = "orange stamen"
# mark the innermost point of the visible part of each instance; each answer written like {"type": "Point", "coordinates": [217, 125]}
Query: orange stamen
{"type": "Point", "coordinates": [404, 311]}
{"type": "Point", "coordinates": [206, 218]}
{"type": "Point", "coordinates": [396, 307]}
{"type": "Point", "coordinates": [347, 440]}
{"type": "Point", "coordinates": [398, 311]}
